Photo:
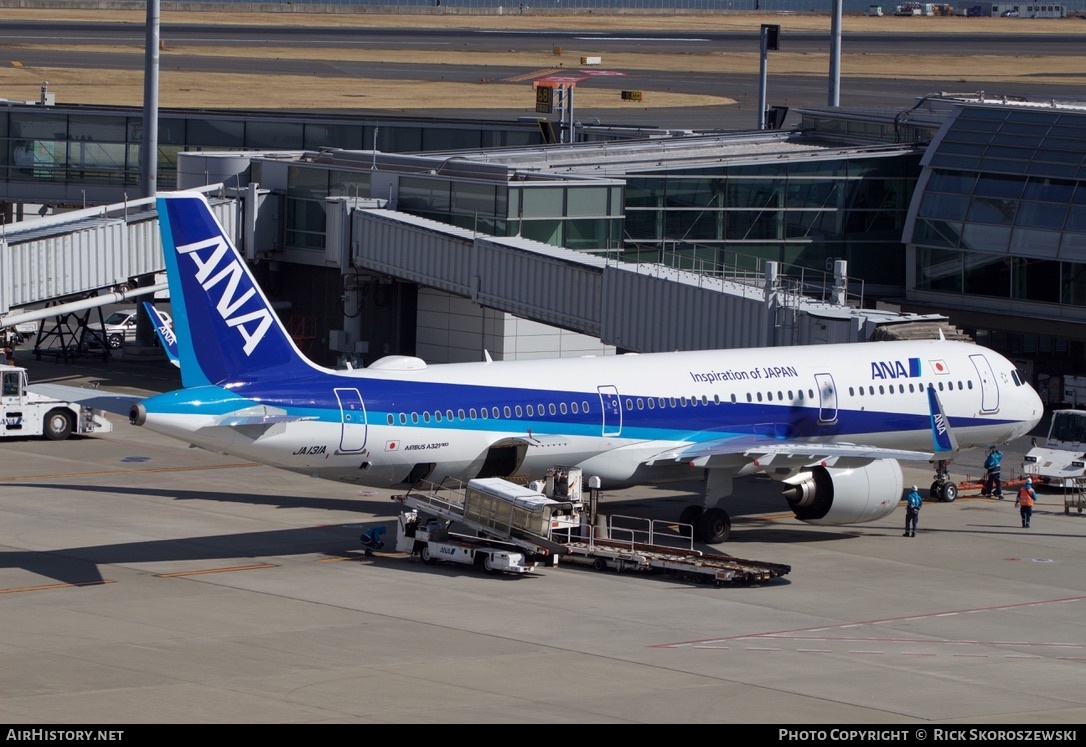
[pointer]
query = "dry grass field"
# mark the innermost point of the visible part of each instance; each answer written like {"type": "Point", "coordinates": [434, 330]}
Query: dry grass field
{"type": "Point", "coordinates": [226, 89]}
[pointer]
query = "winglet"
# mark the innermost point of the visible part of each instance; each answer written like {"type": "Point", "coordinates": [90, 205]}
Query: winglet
{"type": "Point", "coordinates": [942, 437]}
{"type": "Point", "coordinates": [164, 332]}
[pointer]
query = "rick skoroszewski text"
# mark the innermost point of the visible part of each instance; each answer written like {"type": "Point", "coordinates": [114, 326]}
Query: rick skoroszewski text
{"type": "Point", "coordinates": [64, 735]}
{"type": "Point", "coordinates": [975, 734]}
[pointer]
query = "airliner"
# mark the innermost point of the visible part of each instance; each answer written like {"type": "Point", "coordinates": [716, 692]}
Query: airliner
{"type": "Point", "coordinates": [830, 422]}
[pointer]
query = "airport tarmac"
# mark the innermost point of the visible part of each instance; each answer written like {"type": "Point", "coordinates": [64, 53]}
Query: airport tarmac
{"type": "Point", "coordinates": [145, 582]}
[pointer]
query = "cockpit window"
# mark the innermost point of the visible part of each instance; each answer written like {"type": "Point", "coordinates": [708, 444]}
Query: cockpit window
{"type": "Point", "coordinates": [1016, 377]}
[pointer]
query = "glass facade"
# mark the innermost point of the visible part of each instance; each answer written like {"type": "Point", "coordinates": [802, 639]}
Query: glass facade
{"type": "Point", "coordinates": [86, 147]}
{"type": "Point", "coordinates": [1002, 211]}
{"type": "Point", "coordinates": [802, 213]}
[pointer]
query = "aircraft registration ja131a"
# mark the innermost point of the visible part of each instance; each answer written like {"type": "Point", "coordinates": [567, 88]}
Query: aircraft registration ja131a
{"type": "Point", "coordinates": [830, 422]}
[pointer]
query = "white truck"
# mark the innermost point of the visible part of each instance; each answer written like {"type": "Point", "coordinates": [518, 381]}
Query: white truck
{"type": "Point", "coordinates": [431, 539]}
{"type": "Point", "coordinates": [1061, 461]}
{"type": "Point", "coordinates": [26, 413]}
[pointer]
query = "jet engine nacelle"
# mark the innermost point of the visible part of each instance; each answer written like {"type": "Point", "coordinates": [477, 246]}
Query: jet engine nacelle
{"type": "Point", "coordinates": [830, 496]}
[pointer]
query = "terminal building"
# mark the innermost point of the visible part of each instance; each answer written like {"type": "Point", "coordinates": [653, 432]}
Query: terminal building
{"type": "Point", "coordinates": [455, 240]}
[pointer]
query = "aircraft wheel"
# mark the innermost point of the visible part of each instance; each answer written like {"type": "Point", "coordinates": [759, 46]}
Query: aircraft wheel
{"type": "Point", "coordinates": [427, 556]}
{"type": "Point", "coordinates": [599, 564]}
{"type": "Point", "coordinates": [949, 492]}
{"type": "Point", "coordinates": [936, 490]}
{"type": "Point", "coordinates": [690, 515]}
{"type": "Point", "coordinates": [58, 425]}
{"type": "Point", "coordinates": [714, 526]}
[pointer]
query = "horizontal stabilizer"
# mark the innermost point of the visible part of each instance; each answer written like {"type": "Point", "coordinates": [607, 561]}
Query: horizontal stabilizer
{"type": "Point", "coordinates": [114, 402]}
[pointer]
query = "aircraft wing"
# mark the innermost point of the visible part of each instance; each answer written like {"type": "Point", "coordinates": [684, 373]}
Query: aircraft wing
{"type": "Point", "coordinates": [115, 402]}
{"type": "Point", "coordinates": [761, 451]}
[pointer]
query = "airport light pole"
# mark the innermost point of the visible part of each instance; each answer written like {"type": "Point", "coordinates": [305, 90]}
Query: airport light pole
{"type": "Point", "coordinates": [769, 39]}
{"type": "Point", "coordinates": [835, 54]}
{"type": "Point", "coordinates": [149, 146]}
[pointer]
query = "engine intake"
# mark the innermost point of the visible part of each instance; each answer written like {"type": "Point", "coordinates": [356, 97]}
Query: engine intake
{"type": "Point", "coordinates": [831, 496]}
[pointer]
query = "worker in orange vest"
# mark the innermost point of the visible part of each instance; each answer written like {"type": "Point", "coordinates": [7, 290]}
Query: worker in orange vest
{"type": "Point", "coordinates": [1025, 500]}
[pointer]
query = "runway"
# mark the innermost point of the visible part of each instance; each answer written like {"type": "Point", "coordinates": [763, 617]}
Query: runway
{"type": "Point", "coordinates": [144, 582]}
{"type": "Point", "coordinates": [452, 63]}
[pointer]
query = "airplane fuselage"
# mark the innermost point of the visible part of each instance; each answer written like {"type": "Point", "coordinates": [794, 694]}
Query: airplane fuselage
{"type": "Point", "coordinates": [609, 415]}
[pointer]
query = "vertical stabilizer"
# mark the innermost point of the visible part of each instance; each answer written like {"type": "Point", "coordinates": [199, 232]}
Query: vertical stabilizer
{"type": "Point", "coordinates": [164, 331]}
{"type": "Point", "coordinates": [224, 326]}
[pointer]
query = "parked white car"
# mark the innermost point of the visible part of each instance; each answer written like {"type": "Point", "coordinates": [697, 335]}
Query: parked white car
{"type": "Point", "coordinates": [120, 326]}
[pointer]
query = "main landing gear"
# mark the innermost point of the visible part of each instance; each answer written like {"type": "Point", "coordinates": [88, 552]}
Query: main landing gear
{"type": "Point", "coordinates": [711, 526]}
{"type": "Point", "coordinates": [943, 489]}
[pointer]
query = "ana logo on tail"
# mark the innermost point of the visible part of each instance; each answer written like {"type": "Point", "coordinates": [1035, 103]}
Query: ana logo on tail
{"type": "Point", "coordinates": [208, 255]}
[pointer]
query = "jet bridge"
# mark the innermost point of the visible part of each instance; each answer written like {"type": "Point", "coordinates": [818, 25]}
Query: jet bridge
{"type": "Point", "coordinates": [62, 269]}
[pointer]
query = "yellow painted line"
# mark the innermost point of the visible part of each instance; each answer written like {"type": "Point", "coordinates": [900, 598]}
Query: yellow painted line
{"type": "Point", "coordinates": [232, 569]}
{"type": "Point", "coordinates": [46, 587]}
{"type": "Point", "coordinates": [536, 74]}
{"type": "Point", "coordinates": [127, 472]}
{"type": "Point", "coordinates": [16, 63]}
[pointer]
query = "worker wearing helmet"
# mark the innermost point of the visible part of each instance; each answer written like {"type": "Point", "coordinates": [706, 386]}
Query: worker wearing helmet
{"type": "Point", "coordinates": [1027, 496]}
{"type": "Point", "coordinates": [913, 502]}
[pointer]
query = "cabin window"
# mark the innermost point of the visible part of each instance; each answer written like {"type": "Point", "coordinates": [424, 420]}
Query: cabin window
{"type": "Point", "coordinates": [518, 411]}
{"type": "Point", "coordinates": [562, 407]}
{"type": "Point", "coordinates": [672, 401]}
{"type": "Point", "coordinates": [749, 398]}
{"type": "Point", "coordinates": [969, 384]}
{"type": "Point", "coordinates": [716, 399]}
{"type": "Point", "coordinates": [391, 419]}
{"type": "Point", "coordinates": [705, 400]}
{"type": "Point", "coordinates": [940, 386]}
{"type": "Point", "coordinates": [551, 409]}
{"type": "Point", "coordinates": [800, 395]}
{"type": "Point", "coordinates": [882, 390]}
{"type": "Point", "coordinates": [651, 403]}
{"type": "Point", "coordinates": [531, 410]}
{"type": "Point", "coordinates": [484, 413]}
{"type": "Point", "coordinates": [471, 413]}
{"type": "Point", "coordinates": [851, 392]}
{"type": "Point", "coordinates": [437, 416]}
{"type": "Point", "coordinates": [495, 412]}
{"type": "Point", "coordinates": [448, 414]}
{"type": "Point", "coordinates": [733, 398]}
{"type": "Point", "coordinates": [759, 396]}
{"type": "Point", "coordinates": [573, 406]}
{"type": "Point", "coordinates": [769, 396]}
{"type": "Point", "coordinates": [584, 407]}
{"type": "Point", "coordinates": [629, 404]}
{"type": "Point", "coordinates": [415, 418]}
{"type": "Point", "coordinates": [460, 414]}
{"type": "Point", "coordinates": [693, 401]}
{"type": "Point", "coordinates": [506, 411]}
{"type": "Point", "coordinates": [780, 395]}
{"type": "Point", "coordinates": [426, 417]}
{"type": "Point", "coordinates": [640, 404]}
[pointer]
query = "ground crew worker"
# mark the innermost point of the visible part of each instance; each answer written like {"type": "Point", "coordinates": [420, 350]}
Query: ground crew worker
{"type": "Point", "coordinates": [992, 484]}
{"type": "Point", "coordinates": [913, 502]}
{"type": "Point", "coordinates": [1025, 500]}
